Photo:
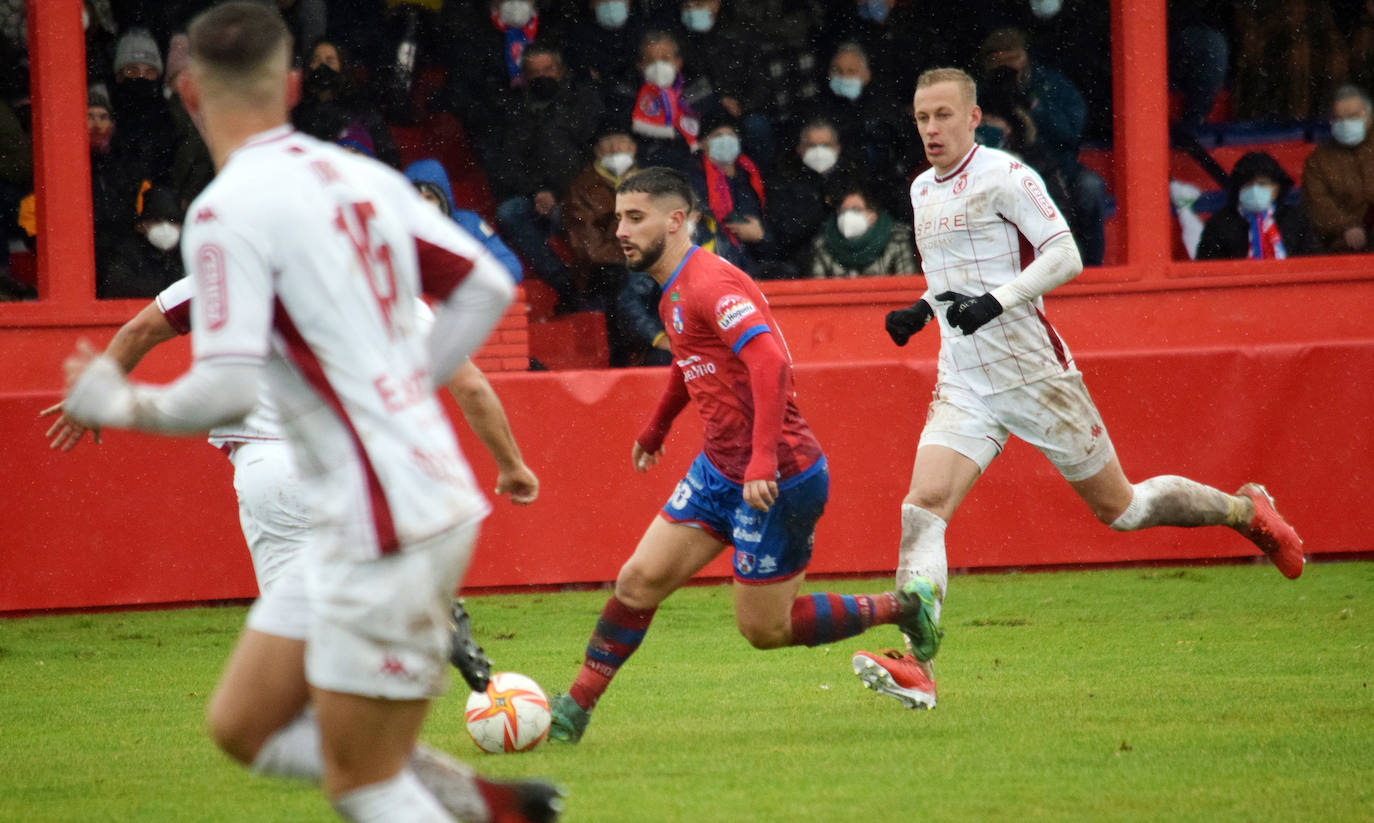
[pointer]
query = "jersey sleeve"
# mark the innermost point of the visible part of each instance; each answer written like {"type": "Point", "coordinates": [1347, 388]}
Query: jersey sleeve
{"type": "Point", "coordinates": [734, 315]}
{"type": "Point", "coordinates": [232, 301]}
{"type": "Point", "coordinates": [1024, 201]}
{"type": "Point", "coordinates": [175, 304]}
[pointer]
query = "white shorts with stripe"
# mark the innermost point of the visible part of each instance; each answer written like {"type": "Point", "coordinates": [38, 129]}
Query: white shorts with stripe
{"type": "Point", "coordinates": [1054, 414]}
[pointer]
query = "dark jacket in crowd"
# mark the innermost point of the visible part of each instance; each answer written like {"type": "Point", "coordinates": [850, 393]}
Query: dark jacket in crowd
{"type": "Point", "coordinates": [545, 142]}
{"type": "Point", "coordinates": [1227, 233]}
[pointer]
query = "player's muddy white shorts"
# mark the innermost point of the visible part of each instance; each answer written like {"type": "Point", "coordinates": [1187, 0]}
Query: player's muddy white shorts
{"type": "Point", "coordinates": [379, 627]}
{"type": "Point", "coordinates": [1055, 415]}
{"type": "Point", "coordinates": [273, 512]}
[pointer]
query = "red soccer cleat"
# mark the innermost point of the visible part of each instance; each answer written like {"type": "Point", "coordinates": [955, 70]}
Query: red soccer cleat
{"type": "Point", "coordinates": [1268, 530]}
{"type": "Point", "coordinates": [896, 675]}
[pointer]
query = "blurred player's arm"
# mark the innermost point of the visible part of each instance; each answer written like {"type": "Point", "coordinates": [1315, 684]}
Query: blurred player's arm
{"type": "Point", "coordinates": [768, 371]}
{"type": "Point", "coordinates": [648, 447]}
{"type": "Point", "coordinates": [482, 410]}
{"type": "Point", "coordinates": [229, 347]}
{"type": "Point", "coordinates": [140, 335]}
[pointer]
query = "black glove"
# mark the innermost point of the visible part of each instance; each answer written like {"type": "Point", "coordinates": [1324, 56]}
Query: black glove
{"type": "Point", "coordinates": [969, 314]}
{"type": "Point", "coordinates": [903, 323]}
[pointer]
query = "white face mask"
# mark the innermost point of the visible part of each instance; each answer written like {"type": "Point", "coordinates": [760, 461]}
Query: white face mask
{"type": "Point", "coordinates": [613, 14]}
{"type": "Point", "coordinates": [847, 87]}
{"type": "Point", "coordinates": [164, 235]}
{"type": "Point", "coordinates": [820, 159]}
{"type": "Point", "coordinates": [724, 148]}
{"type": "Point", "coordinates": [698, 20]}
{"type": "Point", "coordinates": [1256, 198]}
{"type": "Point", "coordinates": [1348, 131]}
{"type": "Point", "coordinates": [617, 163]}
{"type": "Point", "coordinates": [1045, 9]}
{"type": "Point", "coordinates": [516, 12]}
{"type": "Point", "coordinates": [660, 73]}
{"type": "Point", "coordinates": [852, 223]}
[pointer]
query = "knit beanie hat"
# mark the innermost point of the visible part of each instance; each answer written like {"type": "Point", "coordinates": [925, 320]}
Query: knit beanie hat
{"type": "Point", "coordinates": [137, 46]}
{"type": "Point", "coordinates": [355, 136]}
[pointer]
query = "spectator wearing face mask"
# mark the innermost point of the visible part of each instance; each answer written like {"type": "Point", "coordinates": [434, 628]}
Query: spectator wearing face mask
{"type": "Point", "coordinates": [146, 130]}
{"type": "Point", "coordinates": [878, 135]}
{"type": "Point", "coordinates": [862, 240]}
{"type": "Point", "coordinates": [596, 54]}
{"type": "Point", "coordinates": [663, 121]}
{"type": "Point", "coordinates": [797, 202]}
{"type": "Point", "coordinates": [148, 258]}
{"type": "Point", "coordinates": [547, 129]}
{"type": "Point", "coordinates": [724, 72]}
{"type": "Point", "coordinates": [331, 101]}
{"type": "Point", "coordinates": [1338, 178]}
{"type": "Point", "coordinates": [489, 65]}
{"type": "Point", "coordinates": [1060, 114]}
{"type": "Point", "coordinates": [730, 185]}
{"type": "Point", "coordinates": [114, 182]}
{"type": "Point", "coordinates": [1257, 222]}
{"type": "Point", "coordinates": [589, 223]}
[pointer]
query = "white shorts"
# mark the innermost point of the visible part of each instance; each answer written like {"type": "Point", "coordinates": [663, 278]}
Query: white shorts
{"type": "Point", "coordinates": [1055, 415]}
{"type": "Point", "coordinates": [273, 512]}
{"type": "Point", "coordinates": [379, 627]}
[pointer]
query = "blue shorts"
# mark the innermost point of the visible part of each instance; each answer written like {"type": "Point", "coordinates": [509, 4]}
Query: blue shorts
{"type": "Point", "coordinates": [769, 546]}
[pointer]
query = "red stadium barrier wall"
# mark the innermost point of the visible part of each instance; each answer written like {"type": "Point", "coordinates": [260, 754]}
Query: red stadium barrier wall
{"type": "Point", "coordinates": [1225, 372]}
{"type": "Point", "coordinates": [142, 519]}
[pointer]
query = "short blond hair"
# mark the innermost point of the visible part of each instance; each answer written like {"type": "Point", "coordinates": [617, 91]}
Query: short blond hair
{"type": "Point", "coordinates": [930, 77]}
{"type": "Point", "coordinates": [241, 50]}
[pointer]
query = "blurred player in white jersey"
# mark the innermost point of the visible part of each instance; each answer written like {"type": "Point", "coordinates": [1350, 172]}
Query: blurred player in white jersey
{"type": "Point", "coordinates": [1003, 370]}
{"type": "Point", "coordinates": [307, 264]}
{"type": "Point", "coordinates": [273, 515]}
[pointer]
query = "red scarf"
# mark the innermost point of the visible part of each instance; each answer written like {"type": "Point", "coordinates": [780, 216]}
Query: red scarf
{"type": "Point", "coordinates": [1265, 241]}
{"type": "Point", "coordinates": [659, 112]}
{"type": "Point", "coordinates": [718, 194]}
{"type": "Point", "coordinates": [516, 40]}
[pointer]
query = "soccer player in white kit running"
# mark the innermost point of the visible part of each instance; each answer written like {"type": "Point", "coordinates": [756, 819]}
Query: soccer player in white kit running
{"type": "Point", "coordinates": [307, 264]}
{"type": "Point", "coordinates": [1004, 370]}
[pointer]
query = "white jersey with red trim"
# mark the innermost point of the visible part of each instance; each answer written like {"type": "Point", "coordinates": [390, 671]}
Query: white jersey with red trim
{"type": "Point", "coordinates": [309, 259]}
{"type": "Point", "coordinates": [262, 424]}
{"type": "Point", "coordinates": [972, 228]}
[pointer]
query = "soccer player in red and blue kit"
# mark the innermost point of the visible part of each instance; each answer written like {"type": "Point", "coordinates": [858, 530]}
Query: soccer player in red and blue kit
{"type": "Point", "coordinates": [760, 483]}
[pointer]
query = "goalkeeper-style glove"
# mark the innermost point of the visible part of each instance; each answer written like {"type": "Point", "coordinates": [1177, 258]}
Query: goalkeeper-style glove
{"type": "Point", "coordinates": [903, 323]}
{"type": "Point", "coordinates": [968, 314]}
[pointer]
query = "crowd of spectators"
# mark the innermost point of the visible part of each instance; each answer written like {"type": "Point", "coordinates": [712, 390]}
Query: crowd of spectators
{"type": "Point", "coordinates": [791, 118]}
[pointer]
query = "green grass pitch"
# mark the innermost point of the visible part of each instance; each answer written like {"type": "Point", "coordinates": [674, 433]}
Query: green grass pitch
{"type": "Point", "coordinates": [1210, 694]}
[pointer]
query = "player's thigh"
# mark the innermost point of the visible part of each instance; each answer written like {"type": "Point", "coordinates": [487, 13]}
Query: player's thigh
{"type": "Point", "coordinates": [1057, 416]}
{"type": "Point", "coordinates": [261, 689]}
{"type": "Point", "coordinates": [273, 509]}
{"type": "Point", "coordinates": [960, 439]}
{"type": "Point", "coordinates": [763, 611]}
{"type": "Point", "coordinates": [364, 740]}
{"type": "Point", "coordinates": [668, 555]}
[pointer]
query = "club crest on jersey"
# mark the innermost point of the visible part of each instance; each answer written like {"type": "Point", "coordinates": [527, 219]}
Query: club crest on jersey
{"type": "Point", "coordinates": [731, 309]}
{"type": "Point", "coordinates": [1039, 198]}
{"type": "Point", "coordinates": [961, 183]}
{"type": "Point", "coordinates": [677, 319]}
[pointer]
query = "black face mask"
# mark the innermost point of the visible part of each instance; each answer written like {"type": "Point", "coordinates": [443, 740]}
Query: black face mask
{"type": "Point", "coordinates": [137, 91]}
{"type": "Point", "coordinates": [322, 79]}
{"type": "Point", "coordinates": [543, 88]}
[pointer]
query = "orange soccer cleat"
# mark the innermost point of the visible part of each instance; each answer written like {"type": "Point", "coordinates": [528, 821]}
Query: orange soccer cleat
{"type": "Point", "coordinates": [1271, 533]}
{"type": "Point", "coordinates": [898, 676]}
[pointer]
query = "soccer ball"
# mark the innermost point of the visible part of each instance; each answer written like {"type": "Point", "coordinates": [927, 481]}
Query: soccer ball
{"type": "Point", "coordinates": [512, 715]}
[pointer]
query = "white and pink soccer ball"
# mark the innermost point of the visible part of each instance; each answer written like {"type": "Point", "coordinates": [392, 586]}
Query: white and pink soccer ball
{"type": "Point", "coordinates": [512, 715]}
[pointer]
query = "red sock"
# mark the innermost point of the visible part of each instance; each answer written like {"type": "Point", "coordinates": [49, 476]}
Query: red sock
{"type": "Point", "coordinates": [825, 618]}
{"type": "Point", "coordinates": [619, 631]}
